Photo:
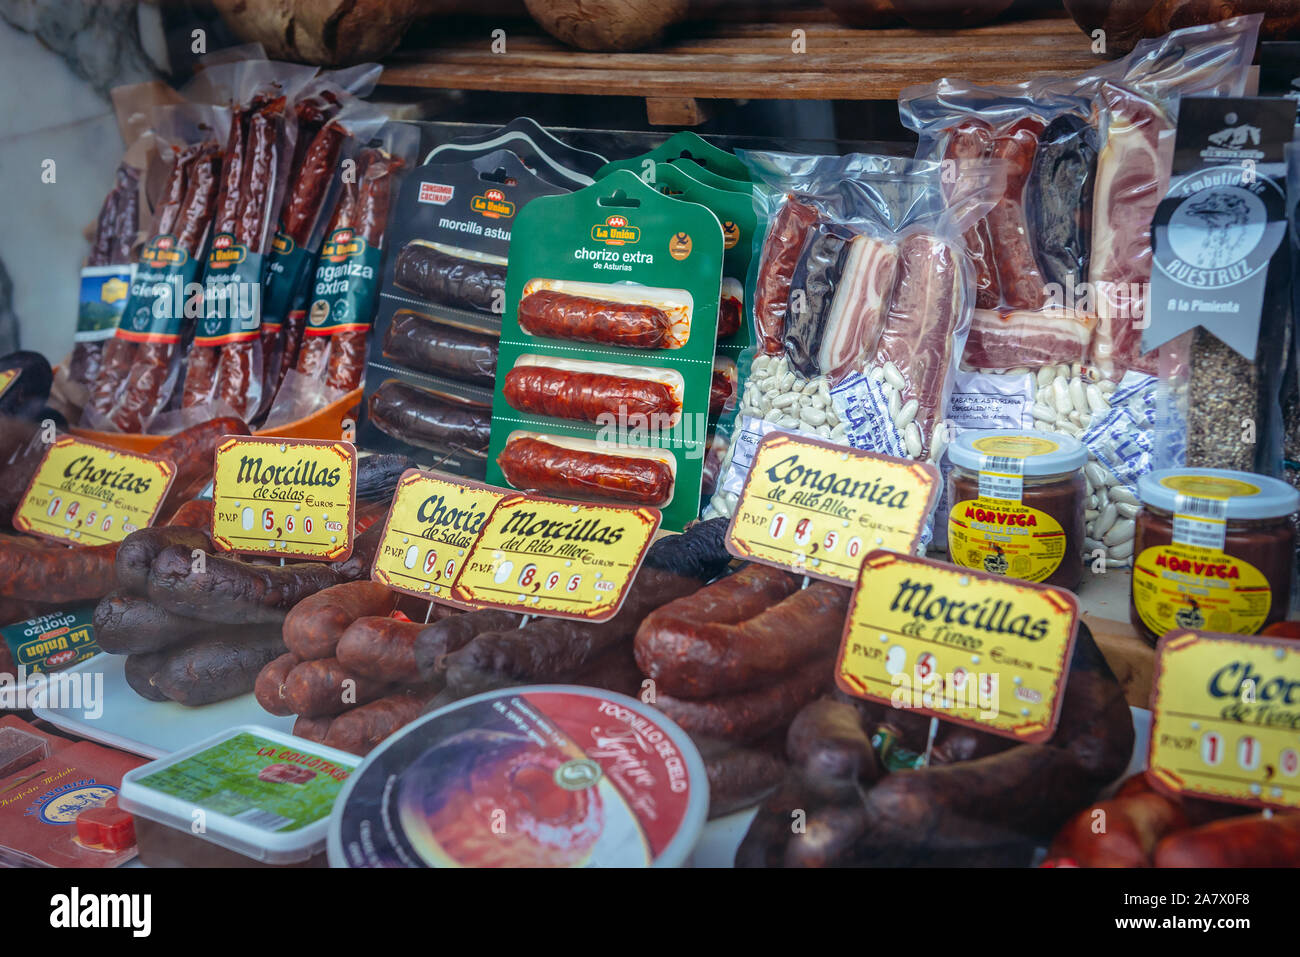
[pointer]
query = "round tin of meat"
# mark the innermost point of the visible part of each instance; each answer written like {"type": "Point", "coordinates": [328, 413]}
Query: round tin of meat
{"type": "Point", "coordinates": [539, 776]}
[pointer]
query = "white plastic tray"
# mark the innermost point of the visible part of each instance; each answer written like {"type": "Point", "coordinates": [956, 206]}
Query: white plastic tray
{"type": "Point", "coordinates": [152, 728]}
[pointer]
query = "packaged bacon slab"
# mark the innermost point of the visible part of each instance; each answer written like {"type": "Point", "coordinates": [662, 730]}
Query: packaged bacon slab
{"type": "Point", "coordinates": [861, 293]}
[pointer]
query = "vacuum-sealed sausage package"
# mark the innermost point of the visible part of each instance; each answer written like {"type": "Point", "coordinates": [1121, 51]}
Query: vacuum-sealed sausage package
{"type": "Point", "coordinates": [139, 365]}
{"type": "Point", "coordinates": [331, 358]}
{"type": "Point", "coordinates": [224, 364]}
{"type": "Point", "coordinates": [550, 159]}
{"type": "Point", "coordinates": [607, 348]}
{"type": "Point", "coordinates": [861, 299]}
{"type": "Point", "coordinates": [1062, 293]}
{"type": "Point", "coordinates": [432, 357]}
{"type": "Point", "coordinates": [331, 123]}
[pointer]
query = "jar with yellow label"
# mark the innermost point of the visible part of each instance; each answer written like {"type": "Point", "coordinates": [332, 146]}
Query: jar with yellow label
{"type": "Point", "coordinates": [1213, 551]}
{"type": "Point", "coordinates": [1016, 505]}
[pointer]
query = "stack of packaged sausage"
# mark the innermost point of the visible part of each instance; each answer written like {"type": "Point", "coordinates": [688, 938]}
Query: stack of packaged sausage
{"type": "Point", "coordinates": [263, 217]}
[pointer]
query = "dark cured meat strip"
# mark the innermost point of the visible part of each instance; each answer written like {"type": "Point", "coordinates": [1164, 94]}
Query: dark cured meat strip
{"type": "Point", "coordinates": [1022, 284]}
{"type": "Point", "coordinates": [421, 418]}
{"type": "Point", "coordinates": [427, 346]}
{"type": "Point", "coordinates": [812, 291]}
{"type": "Point", "coordinates": [449, 280]}
{"type": "Point", "coordinates": [1058, 200]}
{"type": "Point", "coordinates": [782, 248]}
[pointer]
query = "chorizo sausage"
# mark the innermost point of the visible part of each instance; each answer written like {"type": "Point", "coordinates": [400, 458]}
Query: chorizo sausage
{"type": "Point", "coordinates": [136, 554]}
{"type": "Point", "coordinates": [450, 280]}
{"type": "Point", "coordinates": [585, 396]}
{"type": "Point", "coordinates": [129, 624]}
{"type": "Point", "coordinates": [193, 452]}
{"type": "Point", "coordinates": [562, 315]}
{"type": "Point", "coordinates": [63, 574]}
{"type": "Point", "coordinates": [748, 715]}
{"type": "Point", "coordinates": [423, 419]}
{"type": "Point", "coordinates": [451, 634]}
{"type": "Point", "coordinates": [782, 250]}
{"type": "Point", "coordinates": [721, 638]}
{"type": "Point", "coordinates": [214, 669]}
{"type": "Point", "coordinates": [720, 390]}
{"type": "Point", "coordinates": [531, 464]}
{"type": "Point", "coordinates": [427, 346]}
{"type": "Point", "coordinates": [362, 729]}
{"type": "Point", "coordinates": [312, 180]}
{"type": "Point", "coordinates": [313, 729]}
{"type": "Point", "coordinates": [231, 591]}
{"type": "Point", "coordinates": [196, 513]}
{"type": "Point", "coordinates": [324, 687]}
{"type": "Point", "coordinates": [141, 671]}
{"type": "Point", "coordinates": [269, 687]}
{"type": "Point", "coordinates": [381, 648]}
{"type": "Point", "coordinates": [729, 316]}
{"type": "Point", "coordinates": [1254, 841]}
{"type": "Point", "coordinates": [555, 649]}
{"type": "Point", "coordinates": [1131, 828]}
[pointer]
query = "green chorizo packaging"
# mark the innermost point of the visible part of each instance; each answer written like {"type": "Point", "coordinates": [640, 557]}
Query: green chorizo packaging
{"type": "Point", "coordinates": [607, 345]}
{"type": "Point", "coordinates": [687, 146]}
{"type": "Point", "coordinates": [432, 358]}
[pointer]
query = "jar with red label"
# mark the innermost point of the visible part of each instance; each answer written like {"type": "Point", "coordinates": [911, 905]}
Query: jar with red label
{"type": "Point", "coordinates": [1213, 551]}
{"type": "Point", "coordinates": [1016, 504]}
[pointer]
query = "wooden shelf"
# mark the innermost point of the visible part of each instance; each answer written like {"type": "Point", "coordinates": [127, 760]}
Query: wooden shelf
{"type": "Point", "coordinates": [717, 60]}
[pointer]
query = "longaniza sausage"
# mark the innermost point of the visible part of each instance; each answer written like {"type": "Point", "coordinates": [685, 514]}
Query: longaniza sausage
{"type": "Point", "coordinates": [362, 729]}
{"type": "Point", "coordinates": [381, 648]}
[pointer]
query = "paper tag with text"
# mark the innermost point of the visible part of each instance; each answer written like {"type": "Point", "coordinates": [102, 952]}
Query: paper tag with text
{"type": "Point", "coordinates": [544, 556]}
{"type": "Point", "coordinates": [959, 645]}
{"type": "Point", "coordinates": [85, 493]}
{"type": "Point", "coordinates": [434, 521]}
{"type": "Point", "coordinates": [1225, 718]}
{"type": "Point", "coordinates": [817, 509]}
{"type": "Point", "coordinates": [287, 498]}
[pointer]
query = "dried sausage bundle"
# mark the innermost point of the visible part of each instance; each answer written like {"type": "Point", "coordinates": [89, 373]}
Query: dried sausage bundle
{"type": "Point", "coordinates": [982, 801]}
{"type": "Point", "coordinates": [574, 469]}
{"type": "Point", "coordinates": [451, 276]}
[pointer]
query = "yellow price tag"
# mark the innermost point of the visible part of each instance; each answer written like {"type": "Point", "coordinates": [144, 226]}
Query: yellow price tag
{"type": "Point", "coordinates": [429, 530]}
{"type": "Point", "coordinates": [7, 378]}
{"type": "Point", "coordinates": [959, 645]}
{"type": "Point", "coordinates": [817, 509]}
{"type": "Point", "coordinates": [1225, 718]}
{"type": "Point", "coordinates": [92, 494]}
{"type": "Point", "coordinates": [546, 556]}
{"type": "Point", "coordinates": [290, 498]}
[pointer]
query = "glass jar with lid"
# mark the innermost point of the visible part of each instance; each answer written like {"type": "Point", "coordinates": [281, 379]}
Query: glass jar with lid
{"type": "Point", "coordinates": [1213, 551]}
{"type": "Point", "coordinates": [1016, 501]}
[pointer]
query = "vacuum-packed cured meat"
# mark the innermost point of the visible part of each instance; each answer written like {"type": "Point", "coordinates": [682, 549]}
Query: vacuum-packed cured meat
{"type": "Point", "coordinates": [421, 418]}
{"type": "Point", "coordinates": [427, 346]}
{"type": "Point", "coordinates": [583, 319]}
{"type": "Point", "coordinates": [1058, 200]}
{"type": "Point", "coordinates": [534, 465]}
{"type": "Point", "coordinates": [782, 249]}
{"type": "Point", "coordinates": [436, 273]}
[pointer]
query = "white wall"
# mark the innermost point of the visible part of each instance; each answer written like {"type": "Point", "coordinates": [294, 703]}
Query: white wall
{"type": "Point", "coordinates": [47, 112]}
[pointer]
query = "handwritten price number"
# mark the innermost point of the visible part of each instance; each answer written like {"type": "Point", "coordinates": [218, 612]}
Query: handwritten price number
{"type": "Point", "coordinates": [1290, 762]}
{"type": "Point", "coordinates": [1249, 753]}
{"type": "Point", "coordinates": [552, 580]}
{"type": "Point", "coordinates": [777, 526]}
{"type": "Point", "coordinates": [803, 531]}
{"type": "Point", "coordinates": [430, 562]}
{"type": "Point", "coordinates": [527, 575]}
